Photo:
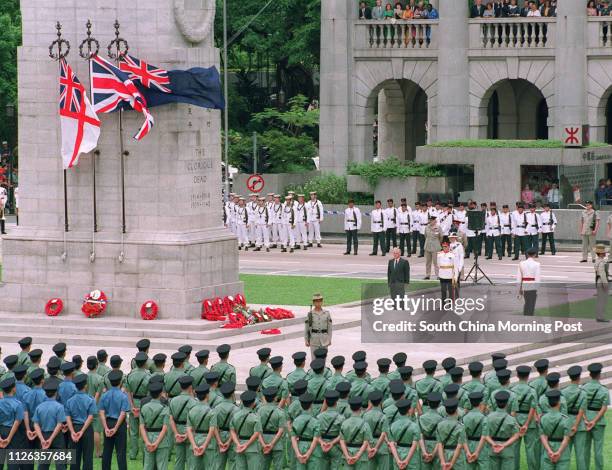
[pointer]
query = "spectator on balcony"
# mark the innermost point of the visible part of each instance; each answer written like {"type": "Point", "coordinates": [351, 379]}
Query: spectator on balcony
{"type": "Point", "coordinates": [477, 9]}
{"type": "Point", "coordinates": [432, 13]}
{"type": "Point", "coordinates": [408, 13]}
{"type": "Point", "coordinates": [527, 195]}
{"type": "Point", "coordinates": [601, 193]}
{"type": "Point", "coordinates": [533, 10]}
{"type": "Point", "coordinates": [547, 10]}
{"type": "Point", "coordinates": [418, 12]}
{"type": "Point", "coordinates": [553, 196]}
{"type": "Point", "coordinates": [388, 15]}
{"type": "Point", "coordinates": [605, 9]}
{"type": "Point", "coordinates": [489, 11]}
{"type": "Point", "coordinates": [513, 10]}
{"type": "Point", "coordinates": [365, 12]}
{"type": "Point", "coordinates": [378, 12]}
{"type": "Point", "coordinates": [498, 7]}
{"type": "Point", "coordinates": [525, 8]}
{"type": "Point", "coordinates": [398, 13]}
{"type": "Point", "coordinates": [592, 9]}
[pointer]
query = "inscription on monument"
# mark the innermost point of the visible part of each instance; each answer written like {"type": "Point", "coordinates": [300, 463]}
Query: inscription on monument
{"type": "Point", "coordinates": [198, 171]}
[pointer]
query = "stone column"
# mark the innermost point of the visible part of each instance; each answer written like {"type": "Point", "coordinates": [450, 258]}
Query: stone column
{"type": "Point", "coordinates": [336, 57]}
{"type": "Point", "coordinates": [391, 122]}
{"type": "Point", "coordinates": [570, 66]}
{"type": "Point", "coordinates": [453, 71]}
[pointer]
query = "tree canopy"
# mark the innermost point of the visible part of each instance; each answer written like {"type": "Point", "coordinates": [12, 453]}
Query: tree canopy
{"type": "Point", "coordinates": [10, 39]}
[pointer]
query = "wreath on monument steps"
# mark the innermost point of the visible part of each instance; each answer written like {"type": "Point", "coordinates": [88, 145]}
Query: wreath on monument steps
{"type": "Point", "coordinates": [148, 311]}
{"type": "Point", "coordinates": [54, 307]}
{"type": "Point", "coordinates": [94, 304]}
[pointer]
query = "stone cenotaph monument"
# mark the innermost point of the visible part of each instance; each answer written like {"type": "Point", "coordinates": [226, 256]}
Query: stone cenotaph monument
{"type": "Point", "coordinates": [172, 248]}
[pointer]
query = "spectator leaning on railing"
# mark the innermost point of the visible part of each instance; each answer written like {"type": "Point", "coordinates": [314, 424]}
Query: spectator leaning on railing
{"type": "Point", "coordinates": [387, 10]}
{"type": "Point", "coordinates": [511, 8]}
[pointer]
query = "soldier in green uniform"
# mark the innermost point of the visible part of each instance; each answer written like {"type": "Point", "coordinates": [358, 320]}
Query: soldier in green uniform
{"type": "Point", "coordinates": [492, 383]}
{"type": "Point", "coordinates": [526, 413]}
{"type": "Point", "coordinates": [102, 357]}
{"type": "Point", "coordinates": [95, 387]}
{"type": "Point", "coordinates": [316, 385]}
{"type": "Point", "coordinates": [404, 439]}
{"type": "Point", "coordinates": [214, 395]}
{"type": "Point", "coordinates": [23, 357]}
{"type": "Point", "coordinates": [198, 424]}
{"type": "Point", "coordinates": [295, 408]}
{"type": "Point", "coordinates": [447, 364]}
{"type": "Point", "coordinates": [275, 379]}
{"type": "Point", "coordinates": [77, 360]}
{"type": "Point", "coordinates": [503, 432]}
{"type": "Point", "coordinates": [428, 422]}
{"type": "Point", "coordinates": [539, 383]}
{"type": "Point", "coordinates": [159, 362]}
{"type": "Point", "coordinates": [305, 433]}
{"type": "Point", "coordinates": [330, 421]}
{"type": "Point", "coordinates": [172, 377]}
{"type": "Point", "coordinates": [397, 391]}
{"type": "Point", "coordinates": [320, 353]}
{"type": "Point", "coordinates": [337, 363]}
{"type": "Point", "coordinates": [115, 363]}
{"type": "Point", "coordinates": [201, 369]}
{"type": "Point", "coordinates": [226, 371]}
{"type": "Point", "coordinates": [451, 391]}
{"type": "Point", "coordinates": [358, 356]}
{"type": "Point", "coordinates": [381, 383]}
{"type": "Point", "coordinates": [318, 326]}
{"type": "Point", "coordinates": [597, 401]}
{"type": "Point", "coordinates": [154, 430]}
{"type": "Point", "coordinates": [355, 437]}
{"type": "Point", "coordinates": [450, 435]}
{"type": "Point", "coordinates": [59, 349]}
{"type": "Point", "coordinates": [136, 386]}
{"type": "Point", "coordinates": [180, 406]}
{"type": "Point", "coordinates": [360, 386]}
{"type": "Point", "coordinates": [273, 430]}
{"type": "Point", "coordinates": [410, 393]}
{"type": "Point", "coordinates": [552, 381]}
{"type": "Point", "coordinates": [35, 356]}
{"type": "Point", "coordinates": [263, 369]}
{"type": "Point", "coordinates": [555, 433]}
{"type": "Point", "coordinates": [575, 398]}
{"type": "Point", "coordinates": [299, 360]}
{"type": "Point", "coordinates": [219, 424]}
{"type": "Point", "coordinates": [254, 384]}
{"type": "Point", "coordinates": [456, 375]}
{"type": "Point", "coordinates": [344, 388]}
{"type": "Point", "coordinates": [186, 349]}
{"type": "Point", "coordinates": [503, 378]}
{"type": "Point", "coordinates": [476, 428]}
{"type": "Point", "coordinates": [143, 345]}
{"type": "Point", "coordinates": [10, 362]}
{"type": "Point", "coordinates": [429, 383]}
{"type": "Point", "coordinates": [245, 429]}
{"type": "Point", "coordinates": [379, 426]}
{"type": "Point", "coordinates": [474, 385]}
{"type": "Point", "coordinates": [399, 359]}
{"type": "Point", "coordinates": [494, 357]}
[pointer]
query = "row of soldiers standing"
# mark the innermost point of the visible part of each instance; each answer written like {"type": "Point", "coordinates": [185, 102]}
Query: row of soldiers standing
{"type": "Point", "coordinates": [308, 419]}
{"type": "Point", "coordinates": [264, 223]}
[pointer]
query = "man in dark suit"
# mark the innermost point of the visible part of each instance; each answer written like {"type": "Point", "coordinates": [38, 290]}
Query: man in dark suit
{"type": "Point", "coordinates": [398, 275]}
{"type": "Point", "coordinates": [365, 12]}
{"type": "Point", "coordinates": [477, 9]}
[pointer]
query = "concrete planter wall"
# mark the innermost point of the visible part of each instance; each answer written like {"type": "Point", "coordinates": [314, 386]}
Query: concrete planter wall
{"type": "Point", "coordinates": [274, 182]}
{"type": "Point", "coordinates": [397, 188]}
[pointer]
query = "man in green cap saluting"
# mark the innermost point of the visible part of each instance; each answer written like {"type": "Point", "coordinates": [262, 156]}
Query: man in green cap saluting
{"type": "Point", "coordinates": [305, 432]}
{"type": "Point", "coordinates": [154, 422]}
{"type": "Point", "coordinates": [503, 432]}
{"type": "Point", "coordinates": [555, 433]}
{"type": "Point", "coordinates": [245, 429]}
{"type": "Point", "coordinates": [476, 429]}
{"type": "Point", "coordinates": [355, 437]}
{"type": "Point", "coordinates": [598, 400]}
{"type": "Point", "coordinates": [318, 326]}
{"type": "Point", "coordinates": [136, 386]}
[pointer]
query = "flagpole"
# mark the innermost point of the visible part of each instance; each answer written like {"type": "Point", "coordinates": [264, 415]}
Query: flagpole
{"type": "Point", "coordinates": [226, 107]}
{"type": "Point", "coordinates": [117, 55]}
{"type": "Point", "coordinates": [88, 42]}
{"type": "Point", "coordinates": [58, 56]}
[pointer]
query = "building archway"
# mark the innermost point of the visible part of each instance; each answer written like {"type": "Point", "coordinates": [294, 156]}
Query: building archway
{"type": "Point", "coordinates": [516, 109]}
{"type": "Point", "coordinates": [398, 112]}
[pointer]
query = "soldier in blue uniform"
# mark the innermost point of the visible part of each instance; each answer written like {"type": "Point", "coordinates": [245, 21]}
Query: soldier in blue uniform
{"type": "Point", "coordinates": [12, 414]}
{"type": "Point", "coordinates": [66, 388]}
{"type": "Point", "coordinates": [113, 409]}
{"type": "Point", "coordinates": [35, 397]}
{"type": "Point", "coordinates": [80, 411]}
{"type": "Point", "coordinates": [49, 419]}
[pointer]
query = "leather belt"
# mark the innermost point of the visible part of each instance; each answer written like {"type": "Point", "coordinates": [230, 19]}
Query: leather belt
{"type": "Point", "coordinates": [593, 408]}
{"type": "Point", "coordinates": [403, 445]}
{"type": "Point", "coordinates": [154, 430]}
{"type": "Point", "coordinates": [318, 331]}
{"type": "Point", "coordinates": [328, 437]}
{"type": "Point", "coordinates": [529, 279]}
{"type": "Point", "coordinates": [473, 438]}
{"type": "Point", "coordinates": [354, 444]}
{"type": "Point", "coordinates": [555, 439]}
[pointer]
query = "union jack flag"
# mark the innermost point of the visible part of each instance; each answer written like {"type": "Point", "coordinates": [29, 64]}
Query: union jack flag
{"type": "Point", "coordinates": [80, 125]}
{"type": "Point", "coordinates": [112, 89]}
{"type": "Point", "coordinates": [147, 74]}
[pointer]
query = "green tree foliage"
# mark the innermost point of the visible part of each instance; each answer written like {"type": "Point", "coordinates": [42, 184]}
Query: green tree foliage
{"type": "Point", "coordinates": [332, 189]}
{"type": "Point", "coordinates": [10, 39]}
{"type": "Point", "coordinates": [392, 168]}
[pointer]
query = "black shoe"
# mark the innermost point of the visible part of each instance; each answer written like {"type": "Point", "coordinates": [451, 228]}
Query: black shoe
{"type": "Point", "coordinates": [346, 253]}
{"type": "Point", "coordinates": [592, 260]}
{"type": "Point", "coordinates": [583, 261]}
{"type": "Point", "coordinates": [304, 248]}
{"type": "Point", "coordinates": [355, 254]}
{"type": "Point", "coordinates": [554, 253]}
{"type": "Point", "coordinates": [489, 257]}
{"type": "Point", "coordinates": [273, 246]}
{"type": "Point", "coordinates": [515, 258]}
{"type": "Point", "coordinates": [298, 247]}
{"type": "Point", "coordinates": [408, 255]}
{"type": "Point", "coordinates": [246, 248]}
{"type": "Point", "coordinates": [239, 247]}
{"type": "Point", "coordinates": [257, 249]}
{"type": "Point", "coordinates": [542, 253]}
{"type": "Point", "coordinates": [373, 254]}
{"type": "Point", "coordinates": [426, 278]}
{"type": "Point", "coordinates": [500, 258]}
{"type": "Point", "coordinates": [268, 250]}
{"type": "Point", "coordinates": [291, 250]}
{"type": "Point", "coordinates": [310, 245]}
{"type": "Point", "coordinates": [421, 256]}
{"type": "Point", "coordinates": [319, 245]}
{"type": "Point", "coordinates": [283, 250]}
{"type": "Point", "coordinates": [603, 321]}
{"type": "Point", "coordinates": [466, 257]}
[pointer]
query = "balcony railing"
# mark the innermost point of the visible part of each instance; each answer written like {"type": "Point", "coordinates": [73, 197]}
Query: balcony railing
{"type": "Point", "coordinates": [395, 34]}
{"type": "Point", "coordinates": [600, 31]}
{"type": "Point", "coordinates": [512, 33]}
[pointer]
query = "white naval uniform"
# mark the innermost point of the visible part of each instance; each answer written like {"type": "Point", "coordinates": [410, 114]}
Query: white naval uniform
{"type": "Point", "coordinates": [493, 225]}
{"type": "Point", "coordinates": [548, 221]}
{"type": "Point", "coordinates": [506, 225]}
{"type": "Point", "coordinates": [404, 221]}
{"type": "Point", "coordinates": [460, 219]}
{"type": "Point", "coordinates": [301, 224]}
{"type": "Point", "coordinates": [228, 209]}
{"type": "Point", "coordinates": [3, 200]}
{"type": "Point", "coordinates": [445, 221]}
{"type": "Point", "coordinates": [262, 220]}
{"type": "Point", "coordinates": [276, 219]}
{"type": "Point", "coordinates": [519, 224]}
{"type": "Point", "coordinates": [315, 217]}
{"type": "Point", "coordinates": [251, 208]}
{"type": "Point", "coordinates": [415, 221]}
{"type": "Point", "coordinates": [287, 235]}
{"type": "Point", "coordinates": [377, 221]}
{"type": "Point", "coordinates": [424, 219]}
{"type": "Point", "coordinates": [534, 224]}
{"type": "Point", "coordinates": [459, 252]}
{"type": "Point", "coordinates": [352, 218]}
{"type": "Point", "coordinates": [242, 220]}
{"type": "Point", "coordinates": [390, 217]}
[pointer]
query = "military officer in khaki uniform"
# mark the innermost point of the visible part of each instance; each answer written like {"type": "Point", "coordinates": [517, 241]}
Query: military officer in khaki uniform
{"type": "Point", "coordinates": [433, 236]}
{"type": "Point", "coordinates": [601, 282]}
{"type": "Point", "coordinates": [589, 226]}
{"type": "Point", "coordinates": [318, 326]}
